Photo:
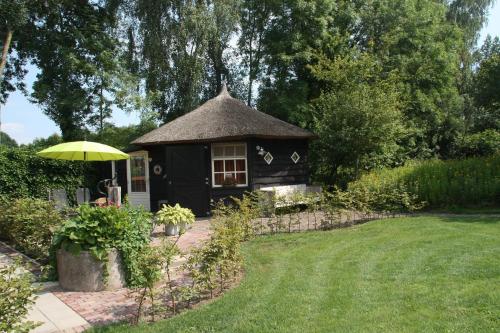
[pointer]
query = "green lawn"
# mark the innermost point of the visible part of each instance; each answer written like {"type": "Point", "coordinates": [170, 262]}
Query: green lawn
{"type": "Point", "coordinates": [425, 274]}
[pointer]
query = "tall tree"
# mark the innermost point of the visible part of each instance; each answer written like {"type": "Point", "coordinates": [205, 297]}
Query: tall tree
{"type": "Point", "coordinates": [184, 50]}
{"type": "Point", "coordinates": [13, 16]}
{"type": "Point", "coordinates": [254, 20]}
{"type": "Point", "coordinates": [487, 92]}
{"type": "Point", "coordinates": [73, 46]}
{"type": "Point", "coordinates": [173, 42]}
{"type": "Point", "coordinates": [357, 118]}
{"type": "Point", "coordinates": [469, 16]}
{"type": "Point", "coordinates": [414, 38]}
{"type": "Point", "coordinates": [297, 32]}
{"type": "Point", "coordinates": [224, 17]}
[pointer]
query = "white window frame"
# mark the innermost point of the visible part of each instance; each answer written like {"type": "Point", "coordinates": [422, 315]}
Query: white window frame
{"type": "Point", "coordinates": [231, 158]}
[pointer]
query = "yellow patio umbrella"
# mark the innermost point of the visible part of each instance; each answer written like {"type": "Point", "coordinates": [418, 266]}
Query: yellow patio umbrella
{"type": "Point", "coordinates": [83, 151]}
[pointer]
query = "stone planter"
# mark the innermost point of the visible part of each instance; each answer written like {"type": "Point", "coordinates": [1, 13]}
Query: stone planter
{"type": "Point", "coordinates": [83, 272]}
{"type": "Point", "coordinates": [174, 229]}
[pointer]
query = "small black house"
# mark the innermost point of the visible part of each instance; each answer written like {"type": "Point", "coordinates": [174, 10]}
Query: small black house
{"type": "Point", "coordinates": [220, 149]}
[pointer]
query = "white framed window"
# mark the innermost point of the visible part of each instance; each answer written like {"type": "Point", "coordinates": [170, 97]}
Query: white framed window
{"type": "Point", "coordinates": [229, 165]}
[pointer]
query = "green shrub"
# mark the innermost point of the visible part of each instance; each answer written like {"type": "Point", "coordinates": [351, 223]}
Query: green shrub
{"type": "Point", "coordinates": [99, 229]}
{"type": "Point", "coordinates": [150, 262]}
{"type": "Point", "coordinates": [17, 295]}
{"type": "Point", "coordinates": [30, 224]}
{"type": "Point", "coordinates": [468, 182]}
{"type": "Point", "coordinates": [24, 174]}
{"type": "Point", "coordinates": [174, 215]}
{"type": "Point", "coordinates": [481, 144]}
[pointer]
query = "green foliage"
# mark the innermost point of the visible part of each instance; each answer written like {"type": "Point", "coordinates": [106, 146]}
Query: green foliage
{"type": "Point", "coordinates": [23, 174]}
{"type": "Point", "coordinates": [365, 200]}
{"type": "Point", "coordinates": [150, 262]}
{"type": "Point", "coordinates": [486, 93]}
{"type": "Point", "coordinates": [99, 229]}
{"type": "Point", "coordinates": [253, 20]}
{"type": "Point", "coordinates": [79, 61]}
{"type": "Point", "coordinates": [483, 143]}
{"type": "Point", "coordinates": [13, 17]}
{"type": "Point", "coordinates": [467, 182]}
{"type": "Point", "coordinates": [174, 215]}
{"type": "Point", "coordinates": [213, 265]}
{"type": "Point", "coordinates": [30, 225]}
{"type": "Point", "coordinates": [357, 118]}
{"type": "Point", "coordinates": [17, 296]}
{"type": "Point", "coordinates": [42, 143]}
{"type": "Point", "coordinates": [121, 137]}
{"type": "Point", "coordinates": [180, 77]}
{"type": "Point", "coordinates": [6, 140]}
{"type": "Point", "coordinates": [393, 32]}
{"type": "Point", "coordinates": [219, 259]}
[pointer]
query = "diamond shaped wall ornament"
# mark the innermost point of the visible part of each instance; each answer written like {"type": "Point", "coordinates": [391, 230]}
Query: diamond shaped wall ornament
{"type": "Point", "coordinates": [295, 157]}
{"type": "Point", "coordinates": [268, 158]}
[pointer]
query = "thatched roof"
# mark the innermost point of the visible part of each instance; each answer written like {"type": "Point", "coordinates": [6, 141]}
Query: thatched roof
{"type": "Point", "coordinates": [222, 118]}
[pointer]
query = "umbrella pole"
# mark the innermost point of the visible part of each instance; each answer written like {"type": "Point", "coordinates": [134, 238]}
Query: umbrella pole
{"type": "Point", "coordinates": [84, 189]}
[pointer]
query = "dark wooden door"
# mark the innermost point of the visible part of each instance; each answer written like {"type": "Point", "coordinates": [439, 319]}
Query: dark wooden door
{"type": "Point", "coordinates": [187, 177]}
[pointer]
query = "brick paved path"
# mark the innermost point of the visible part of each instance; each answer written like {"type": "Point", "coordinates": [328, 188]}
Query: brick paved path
{"type": "Point", "coordinates": [104, 307]}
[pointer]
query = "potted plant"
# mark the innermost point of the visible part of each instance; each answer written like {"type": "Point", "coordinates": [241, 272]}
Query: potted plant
{"type": "Point", "coordinates": [94, 249]}
{"type": "Point", "coordinates": [174, 218]}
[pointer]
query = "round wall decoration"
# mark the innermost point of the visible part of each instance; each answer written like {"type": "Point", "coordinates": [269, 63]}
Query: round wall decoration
{"type": "Point", "coordinates": [157, 169]}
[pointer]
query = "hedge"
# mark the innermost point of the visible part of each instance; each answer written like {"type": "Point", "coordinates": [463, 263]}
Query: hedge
{"type": "Point", "coordinates": [24, 174]}
{"type": "Point", "coordinates": [468, 182]}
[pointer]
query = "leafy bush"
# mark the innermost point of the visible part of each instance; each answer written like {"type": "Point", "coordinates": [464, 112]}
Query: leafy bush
{"type": "Point", "coordinates": [481, 144]}
{"type": "Point", "coordinates": [99, 229]}
{"type": "Point", "coordinates": [174, 215]}
{"type": "Point", "coordinates": [24, 174]}
{"type": "Point", "coordinates": [17, 295]}
{"type": "Point", "coordinates": [30, 225]}
{"type": "Point", "coordinates": [473, 181]}
{"type": "Point", "coordinates": [150, 262]}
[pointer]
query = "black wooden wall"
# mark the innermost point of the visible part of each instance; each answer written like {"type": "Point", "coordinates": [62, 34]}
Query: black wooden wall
{"type": "Point", "coordinates": [121, 171]}
{"type": "Point", "coordinates": [282, 170]}
{"type": "Point", "coordinates": [157, 183]}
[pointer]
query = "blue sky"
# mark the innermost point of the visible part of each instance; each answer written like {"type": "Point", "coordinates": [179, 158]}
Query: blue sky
{"type": "Point", "coordinates": [24, 121]}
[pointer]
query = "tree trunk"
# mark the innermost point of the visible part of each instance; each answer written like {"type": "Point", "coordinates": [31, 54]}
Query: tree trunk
{"type": "Point", "coordinates": [5, 51]}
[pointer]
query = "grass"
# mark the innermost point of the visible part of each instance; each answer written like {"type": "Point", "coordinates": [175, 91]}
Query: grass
{"type": "Point", "coordinates": [421, 274]}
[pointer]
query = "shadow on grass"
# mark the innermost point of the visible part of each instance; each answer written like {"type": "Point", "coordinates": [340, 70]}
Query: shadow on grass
{"type": "Point", "coordinates": [477, 219]}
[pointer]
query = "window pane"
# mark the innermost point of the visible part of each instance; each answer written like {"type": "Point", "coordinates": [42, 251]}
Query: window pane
{"type": "Point", "coordinates": [229, 179]}
{"type": "Point", "coordinates": [218, 151]}
{"type": "Point", "coordinates": [229, 151]}
{"type": "Point", "coordinates": [219, 166]}
{"type": "Point", "coordinates": [229, 165]}
{"type": "Point", "coordinates": [241, 178]}
{"type": "Point", "coordinates": [240, 165]}
{"type": "Point", "coordinates": [240, 151]}
{"type": "Point", "coordinates": [219, 178]}
{"type": "Point", "coordinates": [137, 174]}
